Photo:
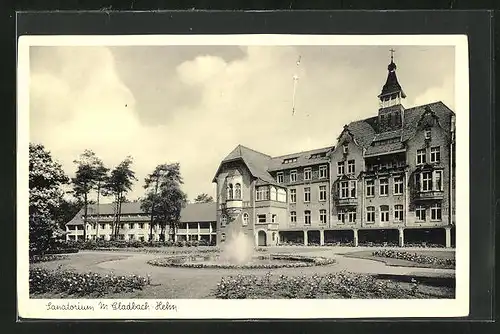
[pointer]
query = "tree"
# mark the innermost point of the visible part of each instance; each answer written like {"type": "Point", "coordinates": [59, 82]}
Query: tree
{"type": "Point", "coordinates": [46, 178]}
{"type": "Point", "coordinates": [203, 198]}
{"type": "Point", "coordinates": [118, 185]}
{"type": "Point", "coordinates": [101, 177]}
{"type": "Point", "coordinates": [90, 175]}
{"type": "Point", "coordinates": [164, 199]}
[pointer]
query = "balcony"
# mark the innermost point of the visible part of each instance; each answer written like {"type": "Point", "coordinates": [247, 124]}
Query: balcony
{"type": "Point", "coordinates": [234, 204]}
{"type": "Point", "coordinates": [347, 201]}
{"type": "Point", "coordinates": [429, 195]}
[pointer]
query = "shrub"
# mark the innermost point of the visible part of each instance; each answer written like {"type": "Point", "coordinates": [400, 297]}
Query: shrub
{"type": "Point", "coordinates": [62, 251]}
{"type": "Point", "coordinates": [333, 285]}
{"type": "Point", "coordinates": [79, 284]}
{"type": "Point", "coordinates": [414, 257]}
{"type": "Point", "coordinates": [47, 258]}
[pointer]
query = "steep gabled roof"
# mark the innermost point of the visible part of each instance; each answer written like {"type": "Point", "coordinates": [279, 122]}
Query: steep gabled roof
{"type": "Point", "coordinates": [255, 161]}
{"type": "Point", "coordinates": [365, 133]}
{"type": "Point", "coordinates": [193, 212]}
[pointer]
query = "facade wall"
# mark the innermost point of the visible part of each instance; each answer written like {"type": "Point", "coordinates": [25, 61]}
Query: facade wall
{"type": "Point", "coordinates": [439, 138]}
{"type": "Point", "coordinates": [234, 171]}
{"type": "Point", "coordinates": [354, 152]}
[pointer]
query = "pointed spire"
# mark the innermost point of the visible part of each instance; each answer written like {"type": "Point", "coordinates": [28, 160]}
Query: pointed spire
{"type": "Point", "coordinates": [392, 86]}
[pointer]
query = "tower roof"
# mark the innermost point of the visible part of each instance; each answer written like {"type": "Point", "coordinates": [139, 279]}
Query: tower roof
{"type": "Point", "coordinates": [392, 85]}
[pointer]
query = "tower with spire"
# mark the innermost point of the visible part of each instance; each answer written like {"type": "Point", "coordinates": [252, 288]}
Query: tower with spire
{"type": "Point", "coordinates": [391, 110]}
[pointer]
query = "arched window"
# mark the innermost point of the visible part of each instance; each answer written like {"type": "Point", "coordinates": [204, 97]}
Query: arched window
{"type": "Point", "coordinates": [245, 219]}
{"type": "Point", "coordinates": [230, 191]}
{"type": "Point", "coordinates": [237, 191]}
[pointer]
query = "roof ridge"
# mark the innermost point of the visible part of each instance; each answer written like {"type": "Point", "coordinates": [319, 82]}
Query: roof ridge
{"type": "Point", "coordinates": [251, 149]}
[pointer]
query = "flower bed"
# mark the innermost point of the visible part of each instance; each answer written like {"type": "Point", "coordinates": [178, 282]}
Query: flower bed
{"type": "Point", "coordinates": [295, 261]}
{"type": "Point", "coordinates": [47, 258]}
{"type": "Point", "coordinates": [78, 284]}
{"type": "Point", "coordinates": [414, 257]}
{"type": "Point", "coordinates": [61, 251]}
{"type": "Point", "coordinates": [337, 285]}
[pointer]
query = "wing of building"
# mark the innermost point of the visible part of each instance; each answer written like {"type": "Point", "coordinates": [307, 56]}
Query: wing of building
{"type": "Point", "coordinates": [198, 222]}
{"type": "Point", "coordinates": [388, 178]}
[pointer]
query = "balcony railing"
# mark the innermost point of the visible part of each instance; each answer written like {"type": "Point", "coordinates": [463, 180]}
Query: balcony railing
{"type": "Point", "coordinates": [429, 195]}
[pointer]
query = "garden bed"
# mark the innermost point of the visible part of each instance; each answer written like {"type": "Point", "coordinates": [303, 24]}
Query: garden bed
{"type": "Point", "coordinates": [47, 258]}
{"type": "Point", "coordinates": [343, 285]}
{"type": "Point", "coordinates": [422, 259]}
{"type": "Point", "coordinates": [68, 283]}
{"type": "Point", "coordinates": [281, 261]}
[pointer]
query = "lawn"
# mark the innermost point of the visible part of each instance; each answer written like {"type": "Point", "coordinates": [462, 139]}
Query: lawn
{"type": "Point", "coordinates": [202, 283]}
{"type": "Point", "coordinates": [368, 255]}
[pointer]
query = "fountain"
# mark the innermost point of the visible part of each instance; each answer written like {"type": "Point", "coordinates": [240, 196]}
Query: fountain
{"type": "Point", "coordinates": [239, 253]}
{"type": "Point", "coordinates": [238, 250]}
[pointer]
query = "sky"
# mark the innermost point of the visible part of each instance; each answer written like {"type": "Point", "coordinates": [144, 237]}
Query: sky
{"type": "Point", "coordinates": [195, 104]}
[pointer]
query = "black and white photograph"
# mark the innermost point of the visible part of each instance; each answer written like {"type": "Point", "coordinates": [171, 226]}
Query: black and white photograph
{"type": "Point", "coordinates": [250, 176]}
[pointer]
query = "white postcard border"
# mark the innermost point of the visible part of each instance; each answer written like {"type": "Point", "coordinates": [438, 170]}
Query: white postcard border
{"type": "Point", "coordinates": [251, 309]}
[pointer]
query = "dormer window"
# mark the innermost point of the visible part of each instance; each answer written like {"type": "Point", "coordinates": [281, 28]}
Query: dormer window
{"type": "Point", "coordinates": [318, 155]}
{"type": "Point", "coordinates": [289, 160]}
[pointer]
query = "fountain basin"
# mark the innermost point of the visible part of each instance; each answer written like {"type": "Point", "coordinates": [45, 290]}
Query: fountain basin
{"type": "Point", "coordinates": [269, 261]}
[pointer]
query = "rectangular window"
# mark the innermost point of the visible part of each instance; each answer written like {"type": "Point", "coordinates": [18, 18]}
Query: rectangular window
{"type": "Point", "coordinates": [141, 226]}
{"type": "Point", "coordinates": [307, 173]}
{"type": "Point", "coordinates": [261, 218]}
{"type": "Point", "coordinates": [293, 176]}
{"type": "Point", "coordinates": [426, 181]}
{"type": "Point", "coordinates": [130, 237]}
{"type": "Point", "coordinates": [307, 194]}
{"type": "Point", "coordinates": [421, 157]}
{"type": "Point", "coordinates": [352, 216]}
{"type": "Point", "coordinates": [293, 195]}
{"type": "Point", "coordinates": [307, 217]}
{"type": "Point", "coordinates": [370, 188]}
{"type": "Point", "coordinates": [420, 213]}
{"type": "Point", "coordinates": [103, 226]}
{"type": "Point", "coordinates": [279, 177]}
{"type": "Point", "coordinates": [262, 193]}
{"type": "Point", "coordinates": [370, 214]}
{"type": "Point", "coordinates": [353, 189]}
{"type": "Point", "coordinates": [436, 212]}
{"type": "Point", "coordinates": [438, 180]}
{"type": "Point", "coordinates": [398, 185]}
{"type": "Point", "coordinates": [322, 193]}
{"type": "Point", "coordinates": [341, 216]}
{"type": "Point", "coordinates": [398, 212]}
{"type": "Point", "coordinates": [350, 167]}
{"type": "Point", "coordinates": [274, 219]}
{"type": "Point", "coordinates": [322, 216]}
{"type": "Point", "coordinates": [322, 172]}
{"type": "Point", "coordinates": [435, 154]}
{"type": "Point", "coordinates": [344, 189]}
{"type": "Point", "coordinates": [340, 168]}
{"type": "Point", "coordinates": [384, 187]}
{"type": "Point", "coordinates": [345, 149]}
{"type": "Point", "coordinates": [384, 213]}
{"type": "Point", "coordinates": [293, 217]}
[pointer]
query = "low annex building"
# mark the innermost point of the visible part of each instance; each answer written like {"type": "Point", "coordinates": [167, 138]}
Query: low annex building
{"type": "Point", "coordinates": [389, 178]}
{"type": "Point", "coordinates": [198, 222]}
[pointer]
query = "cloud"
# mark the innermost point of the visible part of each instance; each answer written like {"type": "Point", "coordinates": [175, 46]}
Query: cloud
{"type": "Point", "coordinates": [201, 106]}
